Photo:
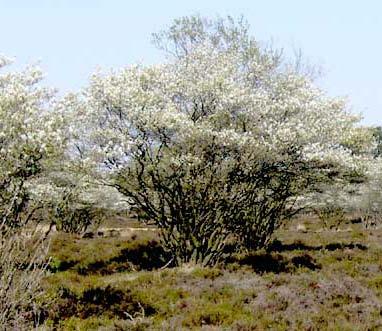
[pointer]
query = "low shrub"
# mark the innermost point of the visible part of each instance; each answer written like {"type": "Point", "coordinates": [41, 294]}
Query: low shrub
{"type": "Point", "coordinates": [71, 215]}
{"type": "Point", "coordinates": [331, 216]}
{"type": "Point", "coordinates": [23, 261]}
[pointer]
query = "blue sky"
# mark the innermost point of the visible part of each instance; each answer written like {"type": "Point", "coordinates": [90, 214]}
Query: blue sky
{"type": "Point", "coordinates": [71, 38]}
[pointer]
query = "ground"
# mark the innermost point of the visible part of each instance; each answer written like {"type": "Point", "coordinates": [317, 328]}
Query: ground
{"type": "Point", "coordinates": [309, 279]}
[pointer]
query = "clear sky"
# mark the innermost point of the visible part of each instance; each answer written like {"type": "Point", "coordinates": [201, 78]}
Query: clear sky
{"type": "Point", "coordinates": [72, 37]}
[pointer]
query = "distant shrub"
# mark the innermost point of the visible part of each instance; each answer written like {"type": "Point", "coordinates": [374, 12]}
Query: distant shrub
{"type": "Point", "coordinates": [367, 199]}
{"type": "Point", "coordinates": [331, 216]}
{"type": "Point", "coordinates": [71, 215]}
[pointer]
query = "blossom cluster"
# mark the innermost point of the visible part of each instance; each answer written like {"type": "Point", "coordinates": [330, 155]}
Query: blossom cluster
{"type": "Point", "coordinates": [29, 129]}
{"type": "Point", "coordinates": [225, 96]}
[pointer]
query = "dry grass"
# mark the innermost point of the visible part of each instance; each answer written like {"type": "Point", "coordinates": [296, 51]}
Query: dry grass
{"type": "Point", "coordinates": [22, 269]}
{"type": "Point", "coordinates": [309, 280]}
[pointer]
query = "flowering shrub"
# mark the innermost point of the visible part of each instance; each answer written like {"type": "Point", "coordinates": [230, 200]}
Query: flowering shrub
{"type": "Point", "coordinates": [218, 141]}
{"type": "Point", "coordinates": [367, 199]}
{"type": "Point", "coordinates": [30, 136]}
{"type": "Point", "coordinates": [72, 211]}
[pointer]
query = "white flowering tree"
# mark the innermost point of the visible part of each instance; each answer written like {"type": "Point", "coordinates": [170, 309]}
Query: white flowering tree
{"type": "Point", "coordinates": [366, 198]}
{"type": "Point", "coordinates": [335, 199]}
{"type": "Point", "coordinates": [219, 140]}
{"type": "Point", "coordinates": [30, 136]}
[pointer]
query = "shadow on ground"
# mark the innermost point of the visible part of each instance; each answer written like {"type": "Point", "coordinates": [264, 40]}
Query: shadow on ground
{"type": "Point", "coordinates": [145, 256]}
{"type": "Point", "coordinates": [96, 301]}
{"type": "Point", "coordinates": [278, 246]}
{"type": "Point", "coordinates": [276, 263]}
